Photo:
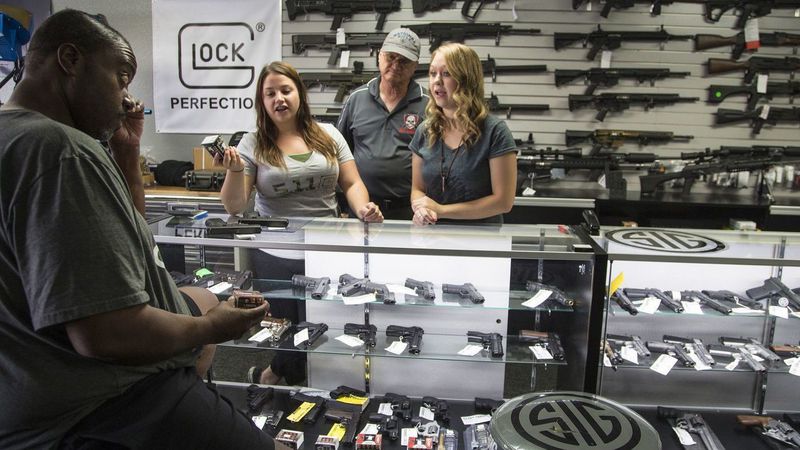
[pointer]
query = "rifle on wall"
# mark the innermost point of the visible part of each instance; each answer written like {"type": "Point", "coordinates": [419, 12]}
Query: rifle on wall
{"type": "Point", "coordinates": [758, 117]}
{"type": "Point", "coordinates": [494, 105]}
{"type": "Point", "coordinates": [605, 103]}
{"type": "Point", "coordinates": [341, 9]}
{"type": "Point", "coordinates": [777, 39]}
{"type": "Point", "coordinates": [327, 41]}
{"type": "Point", "coordinates": [718, 93]}
{"type": "Point", "coordinates": [343, 82]}
{"type": "Point", "coordinates": [439, 33]}
{"type": "Point", "coordinates": [467, 10]}
{"type": "Point", "coordinates": [753, 66]}
{"type": "Point", "coordinates": [614, 139]}
{"type": "Point", "coordinates": [610, 77]}
{"type": "Point", "coordinates": [611, 40]}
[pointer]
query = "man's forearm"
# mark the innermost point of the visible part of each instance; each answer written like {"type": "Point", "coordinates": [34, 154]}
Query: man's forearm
{"type": "Point", "coordinates": [138, 335]}
{"type": "Point", "coordinates": [127, 158]}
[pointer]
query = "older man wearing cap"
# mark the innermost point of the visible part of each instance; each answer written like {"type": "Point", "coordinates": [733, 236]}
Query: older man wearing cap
{"type": "Point", "coordinates": [380, 118]}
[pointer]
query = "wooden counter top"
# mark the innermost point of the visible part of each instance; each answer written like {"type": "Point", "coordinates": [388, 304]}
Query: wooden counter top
{"type": "Point", "coordinates": [178, 192]}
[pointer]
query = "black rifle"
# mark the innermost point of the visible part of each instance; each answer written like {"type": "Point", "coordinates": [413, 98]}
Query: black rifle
{"type": "Point", "coordinates": [714, 9]}
{"type": "Point", "coordinates": [319, 286]}
{"type": "Point", "coordinates": [341, 9]}
{"type": "Point", "coordinates": [666, 300]}
{"type": "Point", "coordinates": [387, 425]}
{"type": "Point", "coordinates": [777, 39]}
{"type": "Point", "coordinates": [633, 342]}
{"type": "Point", "coordinates": [327, 41]}
{"type": "Point", "coordinates": [350, 285]}
{"type": "Point", "coordinates": [613, 139]}
{"type": "Point", "coordinates": [624, 302]}
{"type": "Point", "coordinates": [401, 405]}
{"type": "Point", "coordinates": [327, 115]}
{"type": "Point", "coordinates": [466, 290]}
{"type": "Point", "coordinates": [490, 67]}
{"type": "Point", "coordinates": [556, 294]}
{"type": "Point", "coordinates": [344, 82]}
{"type": "Point", "coordinates": [732, 297]}
{"type": "Point", "coordinates": [610, 77]}
{"type": "Point", "coordinates": [612, 40]}
{"type": "Point", "coordinates": [773, 117]}
{"type": "Point", "coordinates": [705, 300]}
{"type": "Point", "coordinates": [737, 152]}
{"type": "Point", "coordinates": [551, 341]}
{"type": "Point", "coordinates": [775, 433]}
{"type": "Point", "coordinates": [421, 6]}
{"type": "Point", "coordinates": [422, 288]}
{"type": "Point", "coordinates": [315, 331]}
{"type": "Point", "coordinates": [604, 103]}
{"type": "Point", "coordinates": [674, 350]}
{"type": "Point", "coordinates": [655, 5]}
{"type": "Point", "coordinates": [753, 66]}
{"type": "Point", "coordinates": [650, 183]}
{"type": "Point", "coordinates": [364, 332]}
{"type": "Point", "coordinates": [490, 341]}
{"type": "Point", "coordinates": [752, 345]}
{"type": "Point", "coordinates": [692, 424]}
{"type": "Point", "coordinates": [773, 288]}
{"type": "Point", "coordinates": [411, 335]}
{"type": "Point", "coordinates": [717, 93]}
{"type": "Point", "coordinates": [696, 345]}
{"type": "Point", "coordinates": [608, 163]}
{"type": "Point", "coordinates": [439, 32]}
{"type": "Point", "coordinates": [494, 105]}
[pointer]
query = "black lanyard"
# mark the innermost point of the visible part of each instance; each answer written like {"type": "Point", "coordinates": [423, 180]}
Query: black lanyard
{"type": "Point", "coordinates": [446, 175]}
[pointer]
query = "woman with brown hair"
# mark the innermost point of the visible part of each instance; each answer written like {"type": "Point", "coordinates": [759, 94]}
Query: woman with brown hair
{"type": "Point", "coordinates": [464, 166]}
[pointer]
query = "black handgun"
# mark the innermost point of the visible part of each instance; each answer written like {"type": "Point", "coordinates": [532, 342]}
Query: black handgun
{"type": "Point", "coordinates": [556, 293]}
{"type": "Point", "coordinates": [466, 290]}
{"type": "Point", "coordinates": [401, 405]}
{"type": "Point", "coordinates": [674, 350]}
{"type": "Point", "coordinates": [313, 414]}
{"type": "Point", "coordinates": [634, 342]}
{"type": "Point", "coordinates": [624, 302]}
{"type": "Point", "coordinates": [438, 407]}
{"type": "Point", "coordinates": [665, 299]}
{"type": "Point", "coordinates": [707, 301]}
{"type": "Point", "coordinates": [423, 288]}
{"type": "Point", "coordinates": [350, 285]}
{"type": "Point", "coordinates": [491, 341]}
{"type": "Point", "coordinates": [364, 332]}
{"type": "Point", "coordinates": [319, 286]}
{"type": "Point", "coordinates": [342, 391]}
{"type": "Point", "coordinates": [734, 298]}
{"type": "Point", "coordinates": [347, 417]}
{"type": "Point", "coordinates": [550, 340]}
{"type": "Point", "coordinates": [257, 397]}
{"type": "Point", "coordinates": [411, 335]}
{"type": "Point", "coordinates": [387, 425]}
{"type": "Point", "coordinates": [774, 288]}
{"type": "Point", "coordinates": [315, 330]}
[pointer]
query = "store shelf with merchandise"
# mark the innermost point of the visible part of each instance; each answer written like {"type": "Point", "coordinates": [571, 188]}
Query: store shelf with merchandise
{"type": "Point", "coordinates": [709, 307]}
{"type": "Point", "coordinates": [529, 284]}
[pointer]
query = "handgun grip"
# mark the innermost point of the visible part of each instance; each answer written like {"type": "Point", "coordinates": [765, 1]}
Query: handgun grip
{"type": "Point", "coordinates": [753, 421]}
{"type": "Point", "coordinates": [336, 53]}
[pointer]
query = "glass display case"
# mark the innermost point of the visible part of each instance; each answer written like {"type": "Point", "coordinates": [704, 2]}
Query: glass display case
{"type": "Point", "coordinates": [680, 297]}
{"type": "Point", "coordinates": [527, 287]}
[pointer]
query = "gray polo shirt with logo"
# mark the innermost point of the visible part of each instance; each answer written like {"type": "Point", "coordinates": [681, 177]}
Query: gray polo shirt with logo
{"type": "Point", "coordinates": [379, 139]}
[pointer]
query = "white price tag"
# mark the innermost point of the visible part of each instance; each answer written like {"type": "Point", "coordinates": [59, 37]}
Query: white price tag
{"type": "Point", "coordinates": [260, 421]}
{"type": "Point", "coordinates": [732, 365]}
{"type": "Point", "coordinates": [751, 37]}
{"type": "Point", "coordinates": [370, 428]}
{"type": "Point", "coordinates": [350, 341]}
{"type": "Point", "coordinates": [537, 299]}
{"type": "Point", "coordinates": [589, 5]}
{"type": "Point", "coordinates": [605, 59]}
{"type": "Point", "coordinates": [385, 409]}
{"type": "Point", "coordinates": [761, 83]}
{"type": "Point", "coordinates": [606, 361]}
{"type": "Point", "coordinates": [470, 350]}
{"type": "Point", "coordinates": [540, 352]}
{"type": "Point", "coordinates": [425, 413]}
{"type": "Point", "coordinates": [476, 419]}
{"type": "Point", "coordinates": [795, 369]}
{"type": "Point", "coordinates": [301, 337]}
{"type": "Point", "coordinates": [796, 314]}
{"type": "Point", "coordinates": [344, 59]}
{"type": "Point", "coordinates": [528, 192]}
{"type": "Point", "coordinates": [602, 181]}
{"type": "Point", "coordinates": [684, 436]}
{"type": "Point", "coordinates": [220, 287]}
{"type": "Point", "coordinates": [629, 354]}
{"type": "Point", "coordinates": [649, 305]}
{"type": "Point", "coordinates": [764, 112]}
{"type": "Point", "coordinates": [691, 308]}
{"type": "Point", "coordinates": [341, 37]}
{"type": "Point", "coordinates": [514, 14]}
{"type": "Point", "coordinates": [663, 364]}
{"type": "Point", "coordinates": [397, 347]}
{"type": "Point", "coordinates": [790, 361]}
{"type": "Point", "coordinates": [359, 299]}
{"type": "Point", "coordinates": [261, 336]}
{"type": "Point", "coordinates": [676, 295]}
{"type": "Point", "coordinates": [398, 289]}
{"type": "Point", "coordinates": [747, 311]}
{"type": "Point", "coordinates": [779, 311]}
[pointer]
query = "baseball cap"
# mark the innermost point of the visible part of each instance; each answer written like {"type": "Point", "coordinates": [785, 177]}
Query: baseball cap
{"type": "Point", "coordinates": [403, 42]}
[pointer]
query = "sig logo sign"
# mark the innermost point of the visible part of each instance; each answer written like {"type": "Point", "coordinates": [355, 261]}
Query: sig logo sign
{"type": "Point", "coordinates": [576, 421]}
{"type": "Point", "coordinates": [659, 240]}
{"type": "Point", "coordinates": [214, 55]}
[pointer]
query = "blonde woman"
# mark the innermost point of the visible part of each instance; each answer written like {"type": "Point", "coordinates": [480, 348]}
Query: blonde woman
{"type": "Point", "coordinates": [464, 166]}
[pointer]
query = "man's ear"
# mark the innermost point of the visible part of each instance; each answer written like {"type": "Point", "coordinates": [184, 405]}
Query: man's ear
{"type": "Point", "coordinates": [69, 56]}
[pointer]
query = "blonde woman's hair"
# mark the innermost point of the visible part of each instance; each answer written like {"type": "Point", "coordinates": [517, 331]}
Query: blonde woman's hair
{"type": "Point", "coordinates": [267, 133]}
{"type": "Point", "coordinates": [465, 68]}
